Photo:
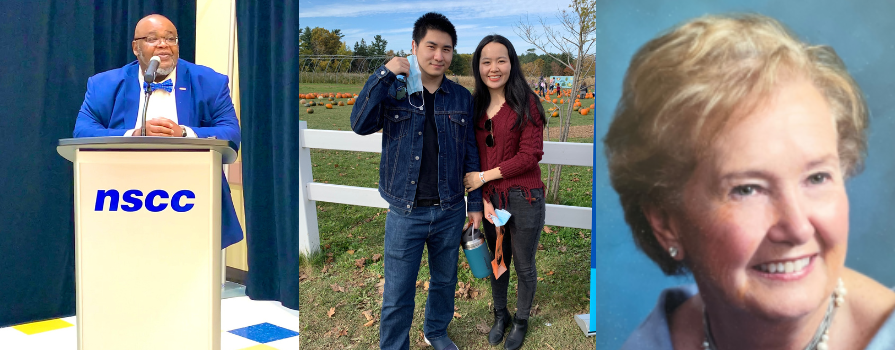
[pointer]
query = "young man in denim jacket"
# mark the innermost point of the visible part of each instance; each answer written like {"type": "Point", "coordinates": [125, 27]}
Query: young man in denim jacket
{"type": "Point", "coordinates": [428, 145]}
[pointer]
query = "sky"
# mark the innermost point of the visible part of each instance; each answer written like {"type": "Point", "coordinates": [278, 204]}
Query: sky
{"type": "Point", "coordinates": [473, 19]}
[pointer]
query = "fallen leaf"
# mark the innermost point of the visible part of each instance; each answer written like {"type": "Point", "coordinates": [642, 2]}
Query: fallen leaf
{"type": "Point", "coordinates": [418, 283]}
{"type": "Point", "coordinates": [483, 328]}
{"type": "Point", "coordinates": [547, 229]}
{"type": "Point", "coordinates": [540, 278]}
{"type": "Point", "coordinates": [336, 288]}
{"type": "Point", "coordinates": [563, 249]}
{"type": "Point", "coordinates": [351, 251]}
{"type": "Point", "coordinates": [550, 273]}
{"type": "Point", "coordinates": [332, 311]}
{"type": "Point", "coordinates": [426, 285]}
{"type": "Point", "coordinates": [326, 246]}
{"type": "Point", "coordinates": [350, 236]}
{"type": "Point", "coordinates": [343, 332]}
{"type": "Point", "coordinates": [541, 247]}
{"type": "Point", "coordinates": [457, 315]}
{"type": "Point", "coordinates": [369, 323]}
{"type": "Point", "coordinates": [376, 257]}
{"type": "Point", "coordinates": [360, 262]}
{"type": "Point", "coordinates": [302, 276]}
{"type": "Point", "coordinates": [324, 269]}
{"type": "Point", "coordinates": [368, 315]}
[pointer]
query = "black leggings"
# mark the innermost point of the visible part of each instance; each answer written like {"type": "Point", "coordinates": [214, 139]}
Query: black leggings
{"type": "Point", "coordinates": [520, 240]}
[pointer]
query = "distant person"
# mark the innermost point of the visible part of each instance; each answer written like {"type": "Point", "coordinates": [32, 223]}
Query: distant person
{"type": "Point", "coordinates": [428, 145]}
{"type": "Point", "coordinates": [509, 123]}
{"type": "Point", "coordinates": [542, 87]}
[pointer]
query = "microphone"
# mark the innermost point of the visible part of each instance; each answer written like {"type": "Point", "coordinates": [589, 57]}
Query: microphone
{"type": "Point", "coordinates": [149, 74]}
{"type": "Point", "coordinates": [148, 78]}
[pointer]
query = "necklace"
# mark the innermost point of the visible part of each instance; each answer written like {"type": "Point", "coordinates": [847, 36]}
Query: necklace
{"type": "Point", "coordinates": [821, 336]}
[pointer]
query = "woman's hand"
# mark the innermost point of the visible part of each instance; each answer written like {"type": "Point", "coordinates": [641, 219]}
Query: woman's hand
{"type": "Point", "coordinates": [489, 211]}
{"type": "Point", "coordinates": [472, 181]}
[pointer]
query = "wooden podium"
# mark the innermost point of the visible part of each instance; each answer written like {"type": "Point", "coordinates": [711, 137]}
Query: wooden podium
{"type": "Point", "coordinates": [148, 241]}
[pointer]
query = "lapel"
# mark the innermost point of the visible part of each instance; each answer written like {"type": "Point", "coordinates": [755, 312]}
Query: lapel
{"type": "Point", "coordinates": [131, 95]}
{"type": "Point", "coordinates": [183, 95]}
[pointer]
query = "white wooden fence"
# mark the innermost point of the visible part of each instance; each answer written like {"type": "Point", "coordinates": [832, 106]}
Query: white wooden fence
{"type": "Point", "coordinates": [580, 154]}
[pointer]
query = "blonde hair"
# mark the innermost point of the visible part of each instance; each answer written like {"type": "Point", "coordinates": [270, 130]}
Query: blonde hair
{"type": "Point", "coordinates": [683, 87]}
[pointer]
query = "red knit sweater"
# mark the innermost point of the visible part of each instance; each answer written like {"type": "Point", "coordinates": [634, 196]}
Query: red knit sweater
{"type": "Point", "coordinates": [516, 152]}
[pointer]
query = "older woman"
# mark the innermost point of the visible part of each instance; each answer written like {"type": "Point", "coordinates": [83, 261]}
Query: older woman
{"type": "Point", "coordinates": [729, 150]}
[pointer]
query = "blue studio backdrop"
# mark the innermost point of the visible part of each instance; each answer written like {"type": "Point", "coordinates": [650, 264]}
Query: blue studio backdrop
{"type": "Point", "coordinates": [627, 282]}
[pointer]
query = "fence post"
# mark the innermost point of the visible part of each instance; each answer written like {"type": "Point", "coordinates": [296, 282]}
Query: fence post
{"type": "Point", "coordinates": [308, 233]}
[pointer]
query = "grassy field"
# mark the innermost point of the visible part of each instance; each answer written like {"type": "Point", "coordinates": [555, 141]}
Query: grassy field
{"type": "Point", "coordinates": [340, 287]}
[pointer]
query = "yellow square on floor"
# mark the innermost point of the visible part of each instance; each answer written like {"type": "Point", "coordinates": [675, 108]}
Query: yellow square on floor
{"type": "Point", "coordinates": [42, 326]}
{"type": "Point", "coordinates": [260, 347]}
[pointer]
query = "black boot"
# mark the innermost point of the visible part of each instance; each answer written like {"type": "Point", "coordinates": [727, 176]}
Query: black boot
{"type": "Point", "coordinates": [501, 322]}
{"type": "Point", "coordinates": [517, 334]}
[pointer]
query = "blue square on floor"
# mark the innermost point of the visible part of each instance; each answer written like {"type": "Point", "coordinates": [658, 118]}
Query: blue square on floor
{"type": "Point", "coordinates": [264, 332]}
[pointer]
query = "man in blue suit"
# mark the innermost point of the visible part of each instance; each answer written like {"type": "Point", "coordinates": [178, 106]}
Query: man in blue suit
{"type": "Point", "coordinates": [187, 100]}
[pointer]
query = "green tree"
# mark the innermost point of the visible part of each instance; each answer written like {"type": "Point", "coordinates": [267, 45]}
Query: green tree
{"type": "Point", "coordinates": [460, 64]}
{"type": "Point", "coordinates": [325, 42]}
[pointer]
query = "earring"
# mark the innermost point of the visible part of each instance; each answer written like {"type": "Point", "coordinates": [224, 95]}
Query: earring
{"type": "Point", "coordinates": [672, 251]}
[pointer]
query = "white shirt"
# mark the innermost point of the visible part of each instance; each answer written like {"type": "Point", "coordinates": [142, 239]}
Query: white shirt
{"type": "Point", "coordinates": [162, 104]}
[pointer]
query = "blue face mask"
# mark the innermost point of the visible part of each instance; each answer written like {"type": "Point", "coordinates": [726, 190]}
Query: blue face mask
{"type": "Point", "coordinates": [502, 217]}
{"type": "Point", "coordinates": [415, 80]}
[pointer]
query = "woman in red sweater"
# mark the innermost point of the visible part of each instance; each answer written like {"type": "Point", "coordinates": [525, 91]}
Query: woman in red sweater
{"type": "Point", "coordinates": [509, 123]}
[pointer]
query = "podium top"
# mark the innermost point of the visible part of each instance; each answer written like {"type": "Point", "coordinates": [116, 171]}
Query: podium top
{"type": "Point", "coordinates": [67, 147]}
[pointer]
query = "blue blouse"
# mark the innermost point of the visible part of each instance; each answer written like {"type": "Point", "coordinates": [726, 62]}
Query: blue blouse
{"type": "Point", "coordinates": [653, 333]}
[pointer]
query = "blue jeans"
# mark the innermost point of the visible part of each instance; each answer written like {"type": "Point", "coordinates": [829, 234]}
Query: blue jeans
{"type": "Point", "coordinates": [406, 233]}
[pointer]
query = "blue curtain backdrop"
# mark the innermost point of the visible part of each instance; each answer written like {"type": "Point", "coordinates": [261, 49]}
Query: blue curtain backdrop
{"type": "Point", "coordinates": [268, 84]}
{"type": "Point", "coordinates": [628, 282]}
{"type": "Point", "coordinates": [52, 47]}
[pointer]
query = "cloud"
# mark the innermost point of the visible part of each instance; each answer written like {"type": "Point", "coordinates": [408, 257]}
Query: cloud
{"type": "Point", "coordinates": [456, 10]}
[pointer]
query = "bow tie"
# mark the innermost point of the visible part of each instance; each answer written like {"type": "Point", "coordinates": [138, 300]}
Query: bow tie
{"type": "Point", "coordinates": [166, 85]}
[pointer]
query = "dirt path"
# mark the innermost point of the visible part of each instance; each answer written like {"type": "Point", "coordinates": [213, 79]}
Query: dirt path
{"type": "Point", "coordinates": [580, 131]}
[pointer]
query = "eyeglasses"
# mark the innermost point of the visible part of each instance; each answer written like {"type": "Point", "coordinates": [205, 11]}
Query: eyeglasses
{"type": "Point", "coordinates": [151, 40]}
{"type": "Point", "coordinates": [490, 139]}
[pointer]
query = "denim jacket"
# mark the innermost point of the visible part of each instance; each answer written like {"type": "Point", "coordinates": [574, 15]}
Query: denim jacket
{"type": "Point", "coordinates": [377, 108]}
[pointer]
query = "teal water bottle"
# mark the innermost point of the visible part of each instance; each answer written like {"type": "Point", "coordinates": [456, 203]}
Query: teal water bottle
{"type": "Point", "coordinates": [476, 252]}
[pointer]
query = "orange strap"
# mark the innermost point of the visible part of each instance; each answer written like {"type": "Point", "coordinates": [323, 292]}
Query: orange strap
{"type": "Point", "coordinates": [497, 264]}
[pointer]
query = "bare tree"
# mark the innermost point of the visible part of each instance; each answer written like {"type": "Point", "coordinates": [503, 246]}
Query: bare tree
{"type": "Point", "coordinates": [573, 40]}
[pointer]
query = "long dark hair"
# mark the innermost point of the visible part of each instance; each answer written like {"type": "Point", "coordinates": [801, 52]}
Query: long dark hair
{"type": "Point", "coordinates": [516, 90]}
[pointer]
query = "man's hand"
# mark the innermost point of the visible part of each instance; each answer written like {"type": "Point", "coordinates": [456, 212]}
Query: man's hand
{"type": "Point", "coordinates": [476, 218]}
{"type": "Point", "coordinates": [471, 181]}
{"type": "Point", "coordinates": [161, 127]}
{"type": "Point", "coordinates": [399, 65]}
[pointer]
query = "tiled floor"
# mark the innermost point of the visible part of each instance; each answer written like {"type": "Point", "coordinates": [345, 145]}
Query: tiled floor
{"type": "Point", "coordinates": [245, 324]}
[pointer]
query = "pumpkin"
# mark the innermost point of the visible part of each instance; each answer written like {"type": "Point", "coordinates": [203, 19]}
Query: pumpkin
{"type": "Point", "coordinates": [555, 114]}
{"type": "Point", "coordinates": [329, 106]}
{"type": "Point", "coordinates": [585, 111]}
{"type": "Point", "coordinates": [310, 111]}
{"type": "Point", "coordinates": [350, 101]}
{"type": "Point", "coordinates": [561, 101]}
{"type": "Point", "coordinates": [575, 109]}
{"type": "Point", "coordinates": [313, 103]}
{"type": "Point", "coordinates": [341, 103]}
{"type": "Point", "coordinates": [554, 100]}
{"type": "Point", "coordinates": [302, 101]}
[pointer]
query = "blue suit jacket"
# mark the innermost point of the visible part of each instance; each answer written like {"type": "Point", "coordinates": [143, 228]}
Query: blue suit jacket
{"type": "Point", "coordinates": [113, 97]}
